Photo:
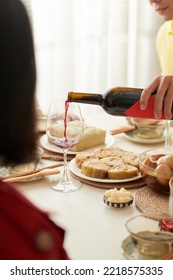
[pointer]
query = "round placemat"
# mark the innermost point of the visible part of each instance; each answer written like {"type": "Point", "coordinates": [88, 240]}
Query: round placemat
{"type": "Point", "coordinates": [152, 203]}
{"type": "Point", "coordinates": [55, 156]}
{"type": "Point", "coordinates": [128, 185]}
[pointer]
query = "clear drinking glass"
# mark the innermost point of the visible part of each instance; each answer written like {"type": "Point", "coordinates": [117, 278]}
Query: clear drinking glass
{"type": "Point", "coordinates": [64, 129]}
{"type": "Point", "coordinates": [168, 135]}
{"type": "Point", "coordinates": [170, 204]}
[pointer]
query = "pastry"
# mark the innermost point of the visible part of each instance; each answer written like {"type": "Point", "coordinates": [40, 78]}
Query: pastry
{"type": "Point", "coordinates": [112, 161]}
{"type": "Point", "coordinates": [81, 158]}
{"type": "Point", "coordinates": [108, 152]}
{"type": "Point", "coordinates": [124, 171]}
{"type": "Point", "coordinates": [131, 158]}
{"type": "Point", "coordinates": [94, 168]}
{"type": "Point", "coordinates": [108, 163]}
{"type": "Point", "coordinates": [91, 137]}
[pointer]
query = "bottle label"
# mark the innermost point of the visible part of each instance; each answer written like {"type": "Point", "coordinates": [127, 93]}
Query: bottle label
{"type": "Point", "coordinates": [136, 112]}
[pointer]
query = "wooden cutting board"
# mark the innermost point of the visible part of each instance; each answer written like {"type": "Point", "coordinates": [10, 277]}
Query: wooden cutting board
{"type": "Point", "coordinates": [128, 185]}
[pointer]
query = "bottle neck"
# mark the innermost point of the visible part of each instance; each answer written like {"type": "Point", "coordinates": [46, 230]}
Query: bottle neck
{"type": "Point", "coordinates": [88, 98]}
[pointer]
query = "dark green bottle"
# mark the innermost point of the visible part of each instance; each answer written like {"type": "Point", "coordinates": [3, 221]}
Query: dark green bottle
{"type": "Point", "coordinates": [115, 101]}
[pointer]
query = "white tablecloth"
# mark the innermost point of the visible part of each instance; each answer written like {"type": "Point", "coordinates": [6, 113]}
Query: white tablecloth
{"type": "Point", "coordinates": [93, 230]}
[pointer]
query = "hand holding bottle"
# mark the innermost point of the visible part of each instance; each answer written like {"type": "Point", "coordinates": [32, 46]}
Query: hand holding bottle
{"type": "Point", "coordinates": [163, 100]}
{"type": "Point", "coordinates": [154, 102]}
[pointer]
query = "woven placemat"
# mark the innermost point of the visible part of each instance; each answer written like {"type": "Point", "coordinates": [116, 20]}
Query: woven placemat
{"type": "Point", "coordinates": [152, 203]}
{"type": "Point", "coordinates": [128, 185]}
{"type": "Point", "coordinates": [55, 156]}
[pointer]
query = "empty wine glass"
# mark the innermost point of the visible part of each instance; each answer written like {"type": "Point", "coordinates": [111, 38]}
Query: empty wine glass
{"type": "Point", "coordinates": [168, 135]}
{"type": "Point", "coordinates": [64, 129]}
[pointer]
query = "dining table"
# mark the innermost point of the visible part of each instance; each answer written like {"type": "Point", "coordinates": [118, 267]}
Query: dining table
{"type": "Point", "coordinates": [93, 230]}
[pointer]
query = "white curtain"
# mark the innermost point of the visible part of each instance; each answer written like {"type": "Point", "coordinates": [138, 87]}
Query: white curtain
{"type": "Point", "coordinates": [92, 45]}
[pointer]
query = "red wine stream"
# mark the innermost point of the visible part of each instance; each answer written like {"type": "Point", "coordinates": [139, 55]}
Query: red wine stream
{"type": "Point", "coordinates": [65, 120]}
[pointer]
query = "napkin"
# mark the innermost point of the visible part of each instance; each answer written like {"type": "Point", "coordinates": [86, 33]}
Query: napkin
{"type": "Point", "coordinates": [136, 112]}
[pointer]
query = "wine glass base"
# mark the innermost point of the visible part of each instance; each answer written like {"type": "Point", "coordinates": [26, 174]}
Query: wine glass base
{"type": "Point", "coordinates": [67, 186]}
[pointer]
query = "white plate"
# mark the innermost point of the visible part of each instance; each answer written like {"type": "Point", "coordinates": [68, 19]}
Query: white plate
{"type": "Point", "coordinates": [50, 147]}
{"type": "Point", "coordinates": [131, 253]}
{"type": "Point", "coordinates": [73, 168]}
{"type": "Point", "coordinates": [129, 249]}
{"type": "Point", "coordinates": [133, 136]}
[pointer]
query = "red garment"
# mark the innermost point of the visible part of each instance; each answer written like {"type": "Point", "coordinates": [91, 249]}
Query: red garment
{"type": "Point", "coordinates": [26, 232]}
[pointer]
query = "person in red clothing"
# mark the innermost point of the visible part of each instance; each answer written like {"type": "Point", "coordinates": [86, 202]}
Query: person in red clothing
{"type": "Point", "coordinates": [26, 233]}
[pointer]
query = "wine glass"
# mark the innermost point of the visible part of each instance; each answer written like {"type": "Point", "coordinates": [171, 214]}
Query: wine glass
{"type": "Point", "coordinates": [168, 136]}
{"type": "Point", "coordinates": [64, 129]}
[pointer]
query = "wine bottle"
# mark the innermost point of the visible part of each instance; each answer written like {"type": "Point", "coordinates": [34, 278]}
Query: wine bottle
{"type": "Point", "coordinates": [118, 101]}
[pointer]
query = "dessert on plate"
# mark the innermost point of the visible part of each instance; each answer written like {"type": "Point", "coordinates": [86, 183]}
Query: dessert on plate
{"type": "Point", "coordinates": [118, 198]}
{"type": "Point", "coordinates": [108, 163]}
{"type": "Point", "coordinates": [91, 137]}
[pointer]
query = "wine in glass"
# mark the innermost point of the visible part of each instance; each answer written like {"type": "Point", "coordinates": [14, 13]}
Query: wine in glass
{"type": "Point", "coordinates": [64, 129]}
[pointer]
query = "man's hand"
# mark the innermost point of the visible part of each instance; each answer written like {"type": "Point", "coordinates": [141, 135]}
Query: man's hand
{"type": "Point", "coordinates": [163, 85]}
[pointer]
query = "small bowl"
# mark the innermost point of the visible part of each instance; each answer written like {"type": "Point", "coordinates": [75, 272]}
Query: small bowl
{"type": "Point", "coordinates": [30, 166]}
{"type": "Point", "coordinates": [149, 128]}
{"type": "Point", "coordinates": [153, 170]}
{"type": "Point", "coordinates": [117, 205]}
{"type": "Point", "coordinates": [118, 198]}
{"type": "Point", "coordinates": [149, 241]}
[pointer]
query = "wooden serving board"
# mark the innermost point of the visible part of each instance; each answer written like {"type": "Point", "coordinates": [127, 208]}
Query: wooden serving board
{"type": "Point", "coordinates": [128, 185]}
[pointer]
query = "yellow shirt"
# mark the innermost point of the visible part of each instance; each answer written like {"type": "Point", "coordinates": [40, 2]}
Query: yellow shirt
{"type": "Point", "coordinates": [164, 47]}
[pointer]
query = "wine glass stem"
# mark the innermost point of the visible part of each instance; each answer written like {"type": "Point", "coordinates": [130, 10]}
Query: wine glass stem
{"type": "Point", "coordinates": [65, 177]}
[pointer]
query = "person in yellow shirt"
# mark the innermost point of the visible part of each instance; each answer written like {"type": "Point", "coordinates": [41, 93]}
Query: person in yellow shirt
{"type": "Point", "coordinates": [164, 46]}
{"type": "Point", "coordinates": [164, 39]}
